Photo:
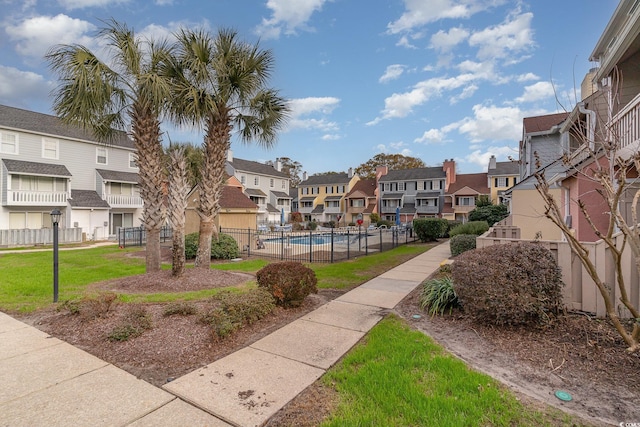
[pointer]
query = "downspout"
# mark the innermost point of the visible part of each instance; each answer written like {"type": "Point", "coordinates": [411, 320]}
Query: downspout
{"type": "Point", "coordinates": [591, 124]}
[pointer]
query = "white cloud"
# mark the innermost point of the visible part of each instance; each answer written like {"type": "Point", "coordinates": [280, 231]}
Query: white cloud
{"type": "Point", "coordinates": [331, 137]}
{"type": "Point", "coordinates": [392, 72]}
{"type": "Point", "coordinates": [480, 158]}
{"type": "Point", "coordinates": [81, 4]}
{"type": "Point", "coordinates": [316, 107]}
{"type": "Point", "coordinates": [515, 35]}
{"type": "Point", "coordinates": [288, 16]}
{"type": "Point", "coordinates": [537, 91]}
{"type": "Point", "coordinates": [17, 87]}
{"type": "Point", "coordinates": [34, 36]}
{"type": "Point", "coordinates": [420, 12]}
{"type": "Point", "coordinates": [432, 136]}
{"type": "Point", "coordinates": [394, 147]}
{"type": "Point", "coordinates": [527, 77]}
{"type": "Point", "coordinates": [492, 123]}
{"type": "Point", "coordinates": [445, 41]}
{"type": "Point", "coordinates": [404, 42]}
{"type": "Point", "coordinates": [466, 93]}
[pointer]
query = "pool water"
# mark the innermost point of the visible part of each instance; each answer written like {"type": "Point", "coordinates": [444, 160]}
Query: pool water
{"type": "Point", "coordinates": [316, 239]}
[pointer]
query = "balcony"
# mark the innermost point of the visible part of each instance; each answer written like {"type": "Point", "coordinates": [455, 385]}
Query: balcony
{"type": "Point", "coordinates": [36, 198]}
{"type": "Point", "coordinates": [427, 210]}
{"type": "Point", "coordinates": [463, 208]}
{"type": "Point", "coordinates": [124, 201]}
{"type": "Point", "coordinates": [626, 127]}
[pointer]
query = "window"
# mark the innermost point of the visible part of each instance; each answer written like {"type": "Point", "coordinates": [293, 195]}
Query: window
{"type": "Point", "coordinates": [328, 190]}
{"type": "Point", "coordinates": [284, 184]}
{"type": "Point", "coordinates": [256, 180]}
{"type": "Point", "coordinates": [49, 148]}
{"type": "Point", "coordinates": [357, 203]}
{"type": "Point", "coordinates": [401, 186]}
{"type": "Point", "coordinates": [243, 179]}
{"type": "Point", "coordinates": [502, 181]}
{"type": "Point", "coordinates": [272, 182]}
{"type": "Point", "coordinates": [307, 204]}
{"type": "Point", "coordinates": [8, 143]}
{"type": "Point", "coordinates": [341, 189]}
{"type": "Point", "coordinates": [332, 204]}
{"type": "Point", "coordinates": [101, 155]}
{"type": "Point", "coordinates": [465, 201]}
{"type": "Point", "coordinates": [133, 160]}
{"type": "Point", "coordinates": [428, 202]}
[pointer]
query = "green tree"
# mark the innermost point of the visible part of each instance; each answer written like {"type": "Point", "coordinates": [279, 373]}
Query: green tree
{"type": "Point", "coordinates": [220, 83]}
{"type": "Point", "coordinates": [489, 213]}
{"type": "Point", "coordinates": [106, 98]}
{"type": "Point", "coordinates": [392, 161]}
{"type": "Point", "coordinates": [293, 169]}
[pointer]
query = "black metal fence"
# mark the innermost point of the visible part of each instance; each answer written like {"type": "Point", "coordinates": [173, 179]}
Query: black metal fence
{"type": "Point", "coordinates": [137, 236]}
{"type": "Point", "coordinates": [327, 245]}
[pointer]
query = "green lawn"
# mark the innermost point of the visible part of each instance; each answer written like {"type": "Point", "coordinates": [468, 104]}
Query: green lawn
{"type": "Point", "coordinates": [400, 377]}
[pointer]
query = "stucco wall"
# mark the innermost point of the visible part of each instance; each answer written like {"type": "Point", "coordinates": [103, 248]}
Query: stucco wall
{"type": "Point", "coordinates": [527, 213]}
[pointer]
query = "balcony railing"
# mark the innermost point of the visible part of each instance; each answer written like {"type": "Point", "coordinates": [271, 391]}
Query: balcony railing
{"type": "Point", "coordinates": [124, 201]}
{"type": "Point", "coordinates": [626, 124]}
{"type": "Point", "coordinates": [427, 209]}
{"type": "Point", "coordinates": [463, 208]}
{"type": "Point", "coordinates": [37, 198]}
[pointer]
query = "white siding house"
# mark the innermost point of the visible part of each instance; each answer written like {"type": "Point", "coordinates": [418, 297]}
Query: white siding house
{"type": "Point", "coordinates": [46, 164]}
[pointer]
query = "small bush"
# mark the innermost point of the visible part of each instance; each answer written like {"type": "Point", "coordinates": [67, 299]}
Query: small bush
{"type": "Point", "coordinates": [510, 284]}
{"type": "Point", "coordinates": [374, 217]}
{"type": "Point", "coordinates": [438, 295]}
{"type": "Point", "coordinates": [225, 247]}
{"type": "Point", "coordinates": [430, 229]}
{"type": "Point", "coordinates": [450, 225]}
{"type": "Point", "coordinates": [89, 308]}
{"type": "Point", "coordinates": [289, 282]}
{"type": "Point", "coordinates": [461, 243]}
{"type": "Point", "coordinates": [471, 227]}
{"type": "Point", "coordinates": [312, 225]}
{"type": "Point", "coordinates": [235, 310]}
{"type": "Point", "coordinates": [296, 217]}
{"type": "Point", "coordinates": [384, 222]}
{"type": "Point", "coordinates": [490, 213]}
{"type": "Point", "coordinates": [133, 324]}
{"type": "Point", "coordinates": [180, 308]}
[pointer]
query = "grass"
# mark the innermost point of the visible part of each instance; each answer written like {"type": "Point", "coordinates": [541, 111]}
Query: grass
{"type": "Point", "coordinates": [400, 377]}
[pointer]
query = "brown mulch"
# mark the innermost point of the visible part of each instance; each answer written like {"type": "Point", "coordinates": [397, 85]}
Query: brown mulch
{"type": "Point", "coordinates": [580, 354]}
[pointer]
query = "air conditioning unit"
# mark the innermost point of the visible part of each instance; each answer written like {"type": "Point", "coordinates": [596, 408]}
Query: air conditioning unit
{"type": "Point", "coordinates": [75, 224]}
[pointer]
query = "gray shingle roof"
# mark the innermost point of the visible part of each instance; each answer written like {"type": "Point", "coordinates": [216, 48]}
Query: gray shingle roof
{"type": "Point", "coordinates": [308, 199]}
{"type": "Point", "coordinates": [256, 167]}
{"type": "Point", "coordinates": [281, 195]}
{"type": "Point", "coordinates": [254, 192]}
{"type": "Point", "coordinates": [318, 209]}
{"type": "Point", "coordinates": [505, 168]}
{"type": "Point", "coordinates": [34, 168]}
{"type": "Point", "coordinates": [87, 199]}
{"type": "Point", "coordinates": [130, 177]}
{"type": "Point", "coordinates": [17, 118]}
{"type": "Point", "coordinates": [326, 179]}
{"type": "Point", "coordinates": [392, 196]}
{"type": "Point", "coordinates": [413, 174]}
{"type": "Point", "coordinates": [427, 194]}
{"type": "Point", "coordinates": [332, 198]}
{"type": "Point", "coordinates": [272, 209]}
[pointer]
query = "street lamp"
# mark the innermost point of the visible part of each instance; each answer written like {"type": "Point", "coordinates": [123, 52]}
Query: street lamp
{"type": "Point", "coordinates": [55, 219]}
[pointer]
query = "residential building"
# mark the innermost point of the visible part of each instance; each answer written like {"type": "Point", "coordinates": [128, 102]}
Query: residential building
{"type": "Point", "coordinates": [501, 176]}
{"type": "Point", "coordinates": [47, 164]}
{"type": "Point", "coordinates": [462, 195]}
{"type": "Point", "coordinates": [267, 186]}
{"type": "Point", "coordinates": [541, 142]}
{"type": "Point", "coordinates": [322, 197]}
{"type": "Point", "coordinates": [361, 201]}
{"type": "Point", "coordinates": [413, 193]}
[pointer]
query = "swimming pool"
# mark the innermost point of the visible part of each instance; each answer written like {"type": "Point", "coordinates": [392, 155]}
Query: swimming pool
{"type": "Point", "coordinates": [315, 239]}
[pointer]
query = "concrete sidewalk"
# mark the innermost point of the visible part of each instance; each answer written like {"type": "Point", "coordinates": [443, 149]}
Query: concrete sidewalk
{"type": "Point", "coordinates": [48, 382]}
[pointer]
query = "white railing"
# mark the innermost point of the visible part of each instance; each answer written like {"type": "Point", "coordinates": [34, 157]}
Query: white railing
{"type": "Point", "coordinates": [38, 236]}
{"type": "Point", "coordinates": [122, 200]}
{"type": "Point", "coordinates": [626, 124]}
{"type": "Point", "coordinates": [36, 198]}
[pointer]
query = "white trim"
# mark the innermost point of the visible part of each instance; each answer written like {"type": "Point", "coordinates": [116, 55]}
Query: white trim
{"type": "Point", "coordinates": [55, 141]}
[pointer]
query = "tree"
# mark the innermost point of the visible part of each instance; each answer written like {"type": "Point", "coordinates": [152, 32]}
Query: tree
{"type": "Point", "coordinates": [178, 190]}
{"type": "Point", "coordinates": [609, 169]}
{"type": "Point", "coordinates": [193, 161]}
{"type": "Point", "coordinates": [293, 169]}
{"type": "Point", "coordinates": [489, 213]}
{"type": "Point", "coordinates": [106, 98]}
{"type": "Point", "coordinates": [392, 161]}
{"type": "Point", "coordinates": [220, 84]}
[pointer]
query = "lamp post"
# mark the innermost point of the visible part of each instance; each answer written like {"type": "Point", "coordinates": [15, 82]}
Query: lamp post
{"type": "Point", "coordinates": [55, 219]}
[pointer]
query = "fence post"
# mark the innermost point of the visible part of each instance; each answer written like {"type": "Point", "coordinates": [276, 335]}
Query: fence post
{"type": "Point", "coordinates": [348, 245]}
{"type": "Point", "coordinates": [310, 249]}
{"type": "Point", "coordinates": [141, 235]}
{"type": "Point", "coordinates": [248, 242]}
{"type": "Point", "coordinates": [281, 245]}
{"type": "Point", "coordinates": [366, 242]}
{"type": "Point", "coordinates": [331, 245]}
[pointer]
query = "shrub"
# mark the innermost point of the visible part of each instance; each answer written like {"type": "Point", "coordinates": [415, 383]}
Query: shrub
{"type": "Point", "coordinates": [461, 243]}
{"type": "Point", "coordinates": [438, 295]}
{"type": "Point", "coordinates": [451, 225]}
{"type": "Point", "coordinates": [289, 282]}
{"type": "Point", "coordinates": [89, 308]}
{"type": "Point", "coordinates": [384, 222]}
{"type": "Point", "coordinates": [489, 213]}
{"type": "Point", "coordinates": [296, 217]}
{"type": "Point", "coordinates": [430, 229]}
{"type": "Point", "coordinates": [235, 310]}
{"type": "Point", "coordinates": [225, 247]}
{"type": "Point", "coordinates": [180, 308]}
{"type": "Point", "coordinates": [133, 324]}
{"type": "Point", "coordinates": [510, 284]}
{"type": "Point", "coordinates": [312, 225]}
{"type": "Point", "coordinates": [471, 227]}
{"type": "Point", "coordinates": [374, 218]}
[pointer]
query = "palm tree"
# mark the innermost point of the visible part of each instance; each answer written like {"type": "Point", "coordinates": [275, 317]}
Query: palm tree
{"type": "Point", "coordinates": [178, 189]}
{"type": "Point", "coordinates": [103, 98]}
{"type": "Point", "coordinates": [220, 84]}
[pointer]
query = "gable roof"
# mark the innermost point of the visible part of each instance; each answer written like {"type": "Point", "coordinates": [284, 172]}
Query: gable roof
{"type": "Point", "coordinates": [474, 181]}
{"type": "Point", "coordinates": [364, 186]}
{"type": "Point", "coordinates": [326, 179]}
{"type": "Point", "coordinates": [35, 168]}
{"type": "Point", "coordinates": [505, 168]}
{"type": "Point", "coordinates": [87, 199]}
{"type": "Point", "coordinates": [118, 176]}
{"type": "Point", "coordinates": [19, 119]}
{"type": "Point", "coordinates": [414, 174]}
{"type": "Point", "coordinates": [256, 168]}
{"type": "Point", "coordinates": [233, 197]}
{"type": "Point", "coordinates": [543, 123]}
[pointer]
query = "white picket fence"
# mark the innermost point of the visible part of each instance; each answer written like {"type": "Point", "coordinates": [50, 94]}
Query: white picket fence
{"type": "Point", "coordinates": [39, 236]}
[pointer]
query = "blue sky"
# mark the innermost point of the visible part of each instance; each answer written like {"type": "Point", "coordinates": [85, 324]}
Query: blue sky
{"type": "Point", "coordinates": [434, 79]}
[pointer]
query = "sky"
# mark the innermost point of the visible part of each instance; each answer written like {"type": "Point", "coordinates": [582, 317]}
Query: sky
{"type": "Point", "coordinates": [433, 79]}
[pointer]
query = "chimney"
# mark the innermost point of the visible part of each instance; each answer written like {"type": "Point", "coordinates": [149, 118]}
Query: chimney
{"type": "Point", "coordinates": [381, 171]}
{"type": "Point", "coordinates": [588, 87]}
{"type": "Point", "coordinates": [278, 165]}
{"type": "Point", "coordinates": [304, 176]}
{"type": "Point", "coordinates": [229, 155]}
{"type": "Point", "coordinates": [492, 162]}
{"type": "Point", "coordinates": [449, 167]}
{"type": "Point", "coordinates": [350, 173]}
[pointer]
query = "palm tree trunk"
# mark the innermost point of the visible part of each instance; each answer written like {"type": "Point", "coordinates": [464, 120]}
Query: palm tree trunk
{"type": "Point", "coordinates": [146, 136]}
{"type": "Point", "coordinates": [178, 189]}
{"type": "Point", "coordinates": [216, 144]}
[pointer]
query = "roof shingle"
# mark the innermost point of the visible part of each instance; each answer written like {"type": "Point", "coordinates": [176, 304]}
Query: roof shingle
{"type": "Point", "coordinates": [35, 168]}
